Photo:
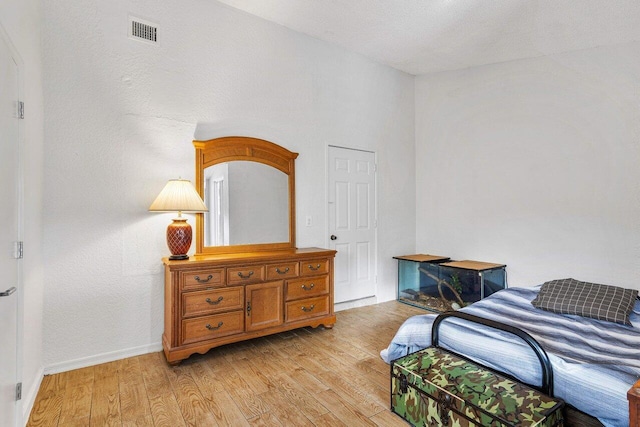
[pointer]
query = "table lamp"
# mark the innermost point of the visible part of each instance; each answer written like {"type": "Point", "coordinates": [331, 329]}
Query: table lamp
{"type": "Point", "coordinates": [178, 195]}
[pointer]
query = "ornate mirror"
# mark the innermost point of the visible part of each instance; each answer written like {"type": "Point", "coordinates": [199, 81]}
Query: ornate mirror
{"type": "Point", "coordinates": [248, 184]}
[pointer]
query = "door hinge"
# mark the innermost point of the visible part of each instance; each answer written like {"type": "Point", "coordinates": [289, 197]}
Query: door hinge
{"type": "Point", "coordinates": [18, 250]}
{"type": "Point", "coordinates": [20, 110]}
{"type": "Point", "coordinates": [18, 391]}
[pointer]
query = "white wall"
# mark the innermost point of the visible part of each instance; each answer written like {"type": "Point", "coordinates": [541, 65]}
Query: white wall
{"type": "Point", "coordinates": [534, 164]}
{"type": "Point", "coordinates": [22, 22]}
{"type": "Point", "coordinates": [120, 118]}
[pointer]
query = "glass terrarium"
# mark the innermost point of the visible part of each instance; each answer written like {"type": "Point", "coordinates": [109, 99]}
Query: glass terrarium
{"type": "Point", "coordinates": [438, 284]}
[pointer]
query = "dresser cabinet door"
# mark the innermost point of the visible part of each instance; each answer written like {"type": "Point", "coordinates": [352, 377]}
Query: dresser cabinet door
{"type": "Point", "coordinates": [264, 305]}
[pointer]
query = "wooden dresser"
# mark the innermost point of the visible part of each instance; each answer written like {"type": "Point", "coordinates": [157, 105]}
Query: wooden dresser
{"type": "Point", "coordinates": [211, 300]}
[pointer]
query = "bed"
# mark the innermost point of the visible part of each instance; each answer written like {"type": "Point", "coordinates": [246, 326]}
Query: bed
{"type": "Point", "coordinates": [595, 363]}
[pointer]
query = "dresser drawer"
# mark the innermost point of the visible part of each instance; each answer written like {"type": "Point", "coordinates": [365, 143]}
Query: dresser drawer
{"type": "Point", "coordinates": [209, 327]}
{"type": "Point", "coordinates": [307, 287]}
{"type": "Point", "coordinates": [306, 308]}
{"type": "Point", "coordinates": [284, 270]}
{"type": "Point", "coordinates": [241, 275]}
{"type": "Point", "coordinates": [207, 302]}
{"type": "Point", "coordinates": [194, 280]}
{"type": "Point", "coordinates": [314, 266]}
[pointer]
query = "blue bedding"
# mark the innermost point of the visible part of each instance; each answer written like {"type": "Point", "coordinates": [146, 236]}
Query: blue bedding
{"type": "Point", "coordinates": [594, 362]}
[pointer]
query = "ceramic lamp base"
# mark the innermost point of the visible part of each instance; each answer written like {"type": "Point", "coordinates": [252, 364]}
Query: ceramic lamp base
{"type": "Point", "coordinates": [179, 238]}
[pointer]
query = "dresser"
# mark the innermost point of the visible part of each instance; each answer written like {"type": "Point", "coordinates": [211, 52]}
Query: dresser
{"type": "Point", "coordinates": [212, 300]}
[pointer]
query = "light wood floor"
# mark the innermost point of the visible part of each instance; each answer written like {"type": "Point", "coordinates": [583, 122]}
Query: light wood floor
{"type": "Point", "coordinates": [308, 377]}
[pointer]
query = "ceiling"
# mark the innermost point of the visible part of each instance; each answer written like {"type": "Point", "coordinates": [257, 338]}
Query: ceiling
{"type": "Point", "coordinates": [425, 36]}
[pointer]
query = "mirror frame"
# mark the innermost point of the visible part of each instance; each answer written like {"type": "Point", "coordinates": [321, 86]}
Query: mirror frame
{"type": "Point", "coordinates": [233, 148]}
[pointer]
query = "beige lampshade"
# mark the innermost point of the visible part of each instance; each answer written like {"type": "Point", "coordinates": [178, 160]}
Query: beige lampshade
{"type": "Point", "coordinates": [178, 195]}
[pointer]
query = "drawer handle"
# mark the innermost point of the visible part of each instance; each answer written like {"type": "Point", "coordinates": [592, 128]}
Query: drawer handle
{"type": "Point", "coordinates": [199, 280]}
{"type": "Point", "coordinates": [311, 286]}
{"type": "Point", "coordinates": [214, 328]}
{"type": "Point", "coordinates": [311, 307]}
{"type": "Point", "coordinates": [243, 276]}
{"type": "Point", "coordinates": [311, 267]}
{"type": "Point", "coordinates": [216, 302]}
{"type": "Point", "coordinates": [285, 271]}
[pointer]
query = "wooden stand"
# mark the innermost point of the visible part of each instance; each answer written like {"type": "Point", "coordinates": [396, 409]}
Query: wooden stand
{"type": "Point", "coordinates": [634, 405]}
{"type": "Point", "coordinates": [423, 258]}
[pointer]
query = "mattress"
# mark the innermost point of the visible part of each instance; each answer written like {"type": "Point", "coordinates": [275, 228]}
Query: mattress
{"type": "Point", "coordinates": [594, 362]}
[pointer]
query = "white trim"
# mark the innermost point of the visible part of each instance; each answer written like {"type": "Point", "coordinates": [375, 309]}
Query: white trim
{"type": "Point", "coordinates": [15, 55]}
{"type": "Point", "coordinates": [346, 305]}
{"type": "Point", "coordinates": [351, 148]}
{"type": "Point", "coordinates": [101, 358]}
{"type": "Point", "coordinates": [29, 398]}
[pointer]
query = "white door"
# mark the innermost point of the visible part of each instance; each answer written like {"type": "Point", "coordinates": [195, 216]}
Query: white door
{"type": "Point", "coordinates": [9, 265]}
{"type": "Point", "coordinates": [352, 222]}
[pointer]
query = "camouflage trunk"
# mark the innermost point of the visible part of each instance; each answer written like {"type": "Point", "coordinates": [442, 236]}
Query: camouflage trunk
{"type": "Point", "coordinates": [433, 387]}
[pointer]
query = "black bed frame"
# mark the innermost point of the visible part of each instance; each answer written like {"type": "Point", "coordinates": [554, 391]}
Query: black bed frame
{"type": "Point", "coordinates": [572, 416]}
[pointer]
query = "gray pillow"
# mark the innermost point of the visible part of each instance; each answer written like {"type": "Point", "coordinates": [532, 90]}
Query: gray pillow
{"type": "Point", "coordinates": [602, 302]}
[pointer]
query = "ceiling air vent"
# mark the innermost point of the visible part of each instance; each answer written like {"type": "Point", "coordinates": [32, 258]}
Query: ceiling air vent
{"type": "Point", "coordinates": [143, 30]}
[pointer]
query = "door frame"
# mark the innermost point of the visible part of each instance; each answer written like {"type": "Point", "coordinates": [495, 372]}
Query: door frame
{"type": "Point", "coordinates": [20, 232]}
{"type": "Point", "coordinates": [367, 300]}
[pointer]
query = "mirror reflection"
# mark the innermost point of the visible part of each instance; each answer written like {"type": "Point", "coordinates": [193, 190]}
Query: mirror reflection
{"type": "Point", "coordinates": [248, 203]}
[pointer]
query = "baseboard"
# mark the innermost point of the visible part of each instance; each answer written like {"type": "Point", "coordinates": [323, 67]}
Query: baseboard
{"type": "Point", "coordinates": [29, 398]}
{"type": "Point", "coordinates": [101, 358]}
{"type": "Point", "coordinates": [387, 298]}
{"type": "Point", "coordinates": [355, 303]}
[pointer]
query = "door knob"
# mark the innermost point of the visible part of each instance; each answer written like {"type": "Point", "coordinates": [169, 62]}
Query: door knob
{"type": "Point", "coordinates": [333, 237]}
{"type": "Point", "coordinates": [8, 292]}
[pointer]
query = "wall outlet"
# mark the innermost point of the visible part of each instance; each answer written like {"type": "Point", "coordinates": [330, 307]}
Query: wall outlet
{"type": "Point", "coordinates": [308, 221]}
